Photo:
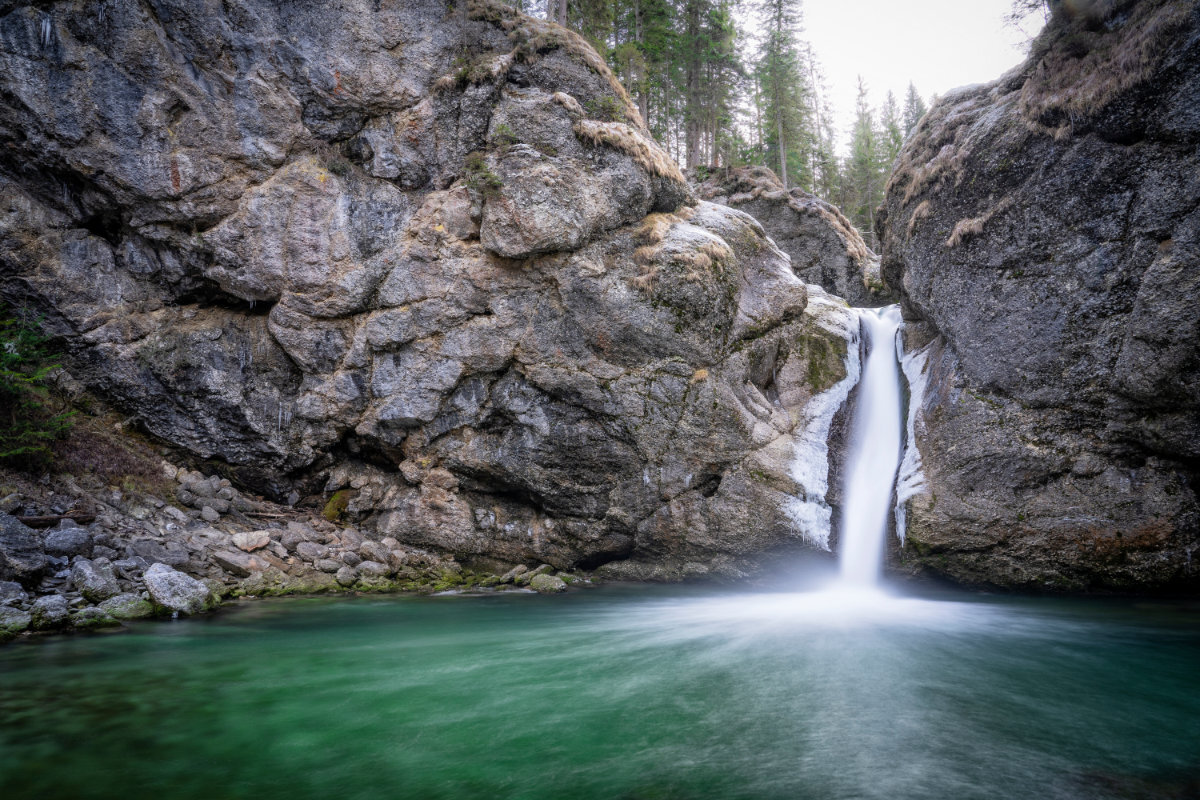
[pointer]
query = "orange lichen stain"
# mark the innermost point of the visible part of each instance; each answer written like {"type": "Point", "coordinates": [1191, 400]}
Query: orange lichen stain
{"type": "Point", "coordinates": [176, 182]}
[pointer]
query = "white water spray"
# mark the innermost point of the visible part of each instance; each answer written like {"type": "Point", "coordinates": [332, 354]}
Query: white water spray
{"type": "Point", "coordinates": [874, 451]}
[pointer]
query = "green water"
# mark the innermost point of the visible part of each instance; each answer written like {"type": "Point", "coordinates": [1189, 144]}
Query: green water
{"type": "Point", "coordinates": [615, 693]}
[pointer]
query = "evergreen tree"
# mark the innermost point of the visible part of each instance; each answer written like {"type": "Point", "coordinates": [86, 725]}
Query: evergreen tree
{"type": "Point", "coordinates": [786, 125]}
{"type": "Point", "coordinates": [893, 136]}
{"type": "Point", "coordinates": [914, 109]}
{"type": "Point", "coordinates": [863, 182]}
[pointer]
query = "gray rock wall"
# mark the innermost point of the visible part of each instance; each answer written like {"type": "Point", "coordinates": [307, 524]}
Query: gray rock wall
{"type": "Point", "coordinates": [1044, 233]}
{"type": "Point", "coordinates": [391, 250]}
{"type": "Point", "coordinates": [824, 247]}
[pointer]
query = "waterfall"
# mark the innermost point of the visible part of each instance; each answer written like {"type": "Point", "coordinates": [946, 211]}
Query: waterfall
{"type": "Point", "coordinates": [873, 453]}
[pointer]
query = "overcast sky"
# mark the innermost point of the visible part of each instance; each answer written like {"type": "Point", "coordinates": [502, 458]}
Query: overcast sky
{"type": "Point", "coordinates": [937, 44]}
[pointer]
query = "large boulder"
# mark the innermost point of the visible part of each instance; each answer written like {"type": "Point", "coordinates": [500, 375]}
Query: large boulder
{"type": "Point", "coordinates": [22, 558]}
{"type": "Point", "coordinates": [95, 580]}
{"type": "Point", "coordinates": [427, 259]}
{"type": "Point", "coordinates": [175, 591]}
{"type": "Point", "coordinates": [1044, 231]}
{"type": "Point", "coordinates": [825, 248]}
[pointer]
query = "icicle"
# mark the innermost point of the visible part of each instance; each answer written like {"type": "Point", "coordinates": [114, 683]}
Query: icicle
{"type": "Point", "coordinates": [47, 37]}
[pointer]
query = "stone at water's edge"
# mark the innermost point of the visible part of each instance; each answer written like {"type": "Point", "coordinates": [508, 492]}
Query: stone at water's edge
{"type": "Point", "coordinates": [1044, 232]}
{"type": "Point", "coordinates": [349, 263]}
{"type": "Point", "coordinates": [175, 591]}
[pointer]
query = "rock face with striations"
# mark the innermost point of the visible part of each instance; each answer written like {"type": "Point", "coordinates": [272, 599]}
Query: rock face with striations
{"type": "Point", "coordinates": [825, 248]}
{"type": "Point", "coordinates": [426, 258]}
{"type": "Point", "coordinates": [1044, 232]}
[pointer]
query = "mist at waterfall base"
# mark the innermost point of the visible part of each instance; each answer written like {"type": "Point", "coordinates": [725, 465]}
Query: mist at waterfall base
{"type": "Point", "coordinates": [673, 692]}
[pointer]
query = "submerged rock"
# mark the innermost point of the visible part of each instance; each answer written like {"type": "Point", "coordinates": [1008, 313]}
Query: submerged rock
{"type": "Point", "coordinates": [1043, 231]}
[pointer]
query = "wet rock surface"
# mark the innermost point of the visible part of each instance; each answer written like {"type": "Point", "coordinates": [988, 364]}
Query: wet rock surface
{"type": "Point", "coordinates": [383, 256]}
{"type": "Point", "coordinates": [1044, 232]}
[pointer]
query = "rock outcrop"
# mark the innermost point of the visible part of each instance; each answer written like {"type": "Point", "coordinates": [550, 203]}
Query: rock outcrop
{"type": "Point", "coordinates": [825, 248]}
{"type": "Point", "coordinates": [1044, 232]}
{"type": "Point", "coordinates": [424, 262]}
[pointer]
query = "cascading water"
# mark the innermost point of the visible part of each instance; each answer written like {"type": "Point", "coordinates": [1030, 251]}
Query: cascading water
{"type": "Point", "coordinates": [874, 451]}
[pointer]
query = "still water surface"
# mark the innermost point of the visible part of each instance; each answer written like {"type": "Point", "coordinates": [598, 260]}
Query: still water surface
{"type": "Point", "coordinates": [616, 692]}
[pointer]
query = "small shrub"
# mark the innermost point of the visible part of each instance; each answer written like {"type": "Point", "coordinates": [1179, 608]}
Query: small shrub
{"type": "Point", "coordinates": [28, 426]}
{"type": "Point", "coordinates": [479, 176]}
{"type": "Point", "coordinates": [504, 135]}
{"type": "Point", "coordinates": [605, 108]}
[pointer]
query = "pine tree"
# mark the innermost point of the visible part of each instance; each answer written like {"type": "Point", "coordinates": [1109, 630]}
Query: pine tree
{"type": "Point", "coordinates": [914, 109]}
{"type": "Point", "coordinates": [787, 129]}
{"type": "Point", "coordinates": [863, 182]}
{"type": "Point", "coordinates": [893, 136]}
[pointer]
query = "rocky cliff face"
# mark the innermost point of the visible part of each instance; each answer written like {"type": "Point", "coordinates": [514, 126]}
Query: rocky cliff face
{"type": "Point", "coordinates": [823, 245]}
{"type": "Point", "coordinates": [428, 258]}
{"type": "Point", "coordinates": [1044, 232]}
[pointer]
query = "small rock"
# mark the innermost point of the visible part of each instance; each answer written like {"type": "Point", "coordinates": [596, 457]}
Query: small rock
{"type": "Point", "coordinates": [346, 576]}
{"type": "Point", "coordinates": [11, 593]}
{"type": "Point", "coordinates": [49, 612]}
{"type": "Point", "coordinates": [69, 541]}
{"type": "Point", "coordinates": [293, 497]}
{"type": "Point", "coordinates": [209, 514]}
{"type": "Point", "coordinates": [547, 584]}
{"type": "Point", "coordinates": [239, 563]}
{"type": "Point", "coordinates": [350, 559]}
{"type": "Point", "coordinates": [373, 569]}
{"type": "Point", "coordinates": [127, 606]}
{"type": "Point", "coordinates": [172, 589]}
{"type": "Point", "coordinates": [373, 551]}
{"type": "Point", "coordinates": [92, 617]}
{"type": "Point", "coordinates": [175, 514]}
{"type": "Point", "coordinates": [251, 540]}
{"type": "Point", "coordinates": [202, 488]}
{"type": "Point", "coordinates": [95, 580]}
{"type": "Point", "coordinates": [329, 565]}
{"type": "Point", "coordinates": [14, 620]}
{"type": "Point", "coordinates": [512, 574]}
{"type": "Point", "coordinates": [311, 551]}
{"type": "Point", "coordinates": [351, 538]}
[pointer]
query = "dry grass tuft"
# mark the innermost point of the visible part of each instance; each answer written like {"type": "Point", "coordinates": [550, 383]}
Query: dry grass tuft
{"type": "Point", "coordinates": [643, 150]}
{"type": "Point", "coordinates": [569, 103]}
{"type": "Point", "coordinates": [1084, 66]}
{"type": "Point", "coordinates": [653, 229]}
{"type": "Point", "coordinates": [919, 213]}
{"type": "Point", "coordinates": [645, 255]}
{"type": "Point", "coordinates": [973, 226]}
{"type": "Point", "coordinates": [645, 278]}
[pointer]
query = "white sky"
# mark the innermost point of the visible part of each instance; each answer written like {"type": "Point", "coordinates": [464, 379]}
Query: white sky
{"type": "Point", "coordinates": [937, 44]}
